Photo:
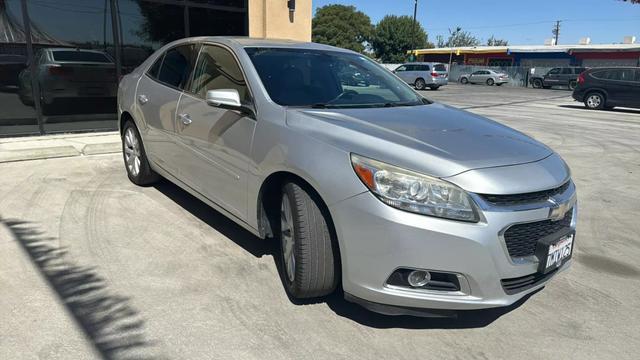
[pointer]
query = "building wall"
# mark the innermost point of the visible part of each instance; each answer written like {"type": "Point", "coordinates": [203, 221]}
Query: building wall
{"type": "Point", "coordinates": [272, 19]}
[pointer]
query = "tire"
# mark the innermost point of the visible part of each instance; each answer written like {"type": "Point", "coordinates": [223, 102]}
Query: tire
{"type": "Point", "coordinates": [572, 84]}
{"type": "Point", "coordinates": [594, 100]}
{"type": "Point", "coordinates": [537, 83]}
{"type": "Point", "coordinates": [420, 84]}
{"type": "Point", "coordinates": [464, 80]}
{"type": "Point", "coordinates": [135, 158]}
{"type": "Point", "coordinates": [307, 260]}
{"type": "Point", "coordinates": [490, 82]}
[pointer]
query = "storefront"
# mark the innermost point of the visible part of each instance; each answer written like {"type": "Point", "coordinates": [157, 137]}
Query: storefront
{"type": "Point", "coordinates": [60, 60]}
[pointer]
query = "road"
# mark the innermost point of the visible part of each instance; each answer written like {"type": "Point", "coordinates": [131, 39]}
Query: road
{"type": "Point", "coordinates": [92, 266]}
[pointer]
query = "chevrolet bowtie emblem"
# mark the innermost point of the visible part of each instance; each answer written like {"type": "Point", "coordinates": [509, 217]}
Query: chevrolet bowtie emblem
{"type": "Point", "coordinates": [558, 210]}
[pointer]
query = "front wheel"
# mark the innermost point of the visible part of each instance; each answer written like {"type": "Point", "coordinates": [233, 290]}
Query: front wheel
{"type": "Point", "coordinates": [464, 80]}
{"type": "Point", "coordinates": [308, 265]}
{"type": "Point", "coordinates": [420, 84]}
{"type": "Point", "coordinates": [135, 158]}
{"type": "Point", "coordinates": [537, 83]}
{"type": "Point", "coordinates": [490, 82]}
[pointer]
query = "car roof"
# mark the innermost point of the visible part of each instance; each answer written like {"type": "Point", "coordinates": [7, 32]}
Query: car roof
{"type": "Point", "coordinates": [246, 42]}
{"type": "Point", "coordinates": [614, 68]}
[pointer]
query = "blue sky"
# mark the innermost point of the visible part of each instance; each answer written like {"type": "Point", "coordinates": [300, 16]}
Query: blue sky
{"type": "Point", "coordinates": [518, 21]}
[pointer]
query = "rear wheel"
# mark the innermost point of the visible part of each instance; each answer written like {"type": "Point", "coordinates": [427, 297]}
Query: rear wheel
{"type": "Point", "coordinates": [135, 158]}
{"type": "Point", "coordinates": [490, 82]}
{"type": "Point", "coordinates": [308, 265]}
{"type": "Point", "coordinates": [537, 83]}
{"type": "Point", "coordinates": [595, 101]}
{"type": "Point", "coordinates": [572, 84]}
{"type": "Point", "coordinates": [420, 84]}
{"type": "Point", "coordinates": [464, 80]}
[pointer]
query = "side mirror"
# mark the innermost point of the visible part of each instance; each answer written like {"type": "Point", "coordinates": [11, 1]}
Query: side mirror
{"type": "Point", "coordinates": [227, 98]}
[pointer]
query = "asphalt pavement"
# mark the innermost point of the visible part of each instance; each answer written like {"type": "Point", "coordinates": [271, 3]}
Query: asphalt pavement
{"type": "Point", "coordinates": [92, 266]}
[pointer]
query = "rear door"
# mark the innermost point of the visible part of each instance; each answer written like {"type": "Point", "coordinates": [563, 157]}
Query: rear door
{"type": "Point", "coordinates": [566, 75]}
{"type": "Point", "coordinates": [215, 143]}
{"type": "Point", "coordinates": [622, 87]}
{"type": "Point", "coordinates": [157, 98]}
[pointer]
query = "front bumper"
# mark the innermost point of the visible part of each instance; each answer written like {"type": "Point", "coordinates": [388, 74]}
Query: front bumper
{"type": "Point", "coordinates": [386, 239]}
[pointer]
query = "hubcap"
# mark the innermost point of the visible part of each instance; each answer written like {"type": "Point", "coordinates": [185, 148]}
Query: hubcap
{"type": "Point", "coordinates": [287, 238]}
{"type": "Point", "coordinates": [594, 101]}
{"type": "Point", "coordinates": [132, 152]}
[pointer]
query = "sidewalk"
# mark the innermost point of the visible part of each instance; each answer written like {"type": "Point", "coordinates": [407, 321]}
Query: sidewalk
{"type": "Point", "coordinates": [53, 146]}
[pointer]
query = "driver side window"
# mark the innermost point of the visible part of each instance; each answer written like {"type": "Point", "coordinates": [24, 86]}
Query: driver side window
{"type": "Point", "coordinates": [401, 68]}
{"type": "Point", "coordinates": [554, 71]}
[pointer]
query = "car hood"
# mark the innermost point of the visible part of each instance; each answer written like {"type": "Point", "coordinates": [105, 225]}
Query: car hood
{"type": "Point", "coordinates": [434, 139]}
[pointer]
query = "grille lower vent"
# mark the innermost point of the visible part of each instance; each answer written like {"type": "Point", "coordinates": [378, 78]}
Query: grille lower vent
{"type": "Point", "coordinates": [521, 239]}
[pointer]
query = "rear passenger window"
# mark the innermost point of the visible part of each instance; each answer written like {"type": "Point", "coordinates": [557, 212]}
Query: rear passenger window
{"type": "Point", "coordinates": [423, 67]}
{"type": "Point", "coordinates": [177, 65]}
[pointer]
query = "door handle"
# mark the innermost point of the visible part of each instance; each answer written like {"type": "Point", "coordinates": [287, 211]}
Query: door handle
{"type": "Point", "coordinates": [143, 99]}
{"type": "Point", "coordinates": [185, 118]}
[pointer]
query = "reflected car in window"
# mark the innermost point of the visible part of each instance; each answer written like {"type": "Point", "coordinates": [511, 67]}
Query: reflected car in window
{"type": "Point", "coordinates": [406, 205]}
{"type": "Point", "coordinates": [66, 76]}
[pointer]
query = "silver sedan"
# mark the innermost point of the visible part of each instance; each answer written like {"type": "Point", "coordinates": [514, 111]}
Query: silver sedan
{"type": "Point", "coordinates": [406, 205]}
{"type": "Point", "coordinates": [488, 77]}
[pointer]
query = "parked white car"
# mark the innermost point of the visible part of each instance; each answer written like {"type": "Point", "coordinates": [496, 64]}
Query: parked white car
{"type": "Point", "coordinates": [489, 77]}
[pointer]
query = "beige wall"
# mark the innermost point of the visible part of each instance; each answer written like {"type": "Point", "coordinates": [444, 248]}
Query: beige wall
{"type": "Point", "coordinates": [270, 19]}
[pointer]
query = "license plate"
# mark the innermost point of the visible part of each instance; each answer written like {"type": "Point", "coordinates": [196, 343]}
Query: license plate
{"type": "Point", "coordinates": [552, 253]}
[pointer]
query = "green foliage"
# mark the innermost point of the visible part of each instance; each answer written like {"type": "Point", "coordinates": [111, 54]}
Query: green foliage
{"type": "Point", "coordinates": [395, 35]}
{"type": "Point", "coordinates": [457, 38]}
{"type": "Point", "coordinates": [492, 41]}
{"type": "Point", "coordinates": [342, 26]}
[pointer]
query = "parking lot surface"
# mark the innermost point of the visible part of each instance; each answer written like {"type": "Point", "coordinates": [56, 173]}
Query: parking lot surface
{"type": "Point", "coordinates": [92, 266]}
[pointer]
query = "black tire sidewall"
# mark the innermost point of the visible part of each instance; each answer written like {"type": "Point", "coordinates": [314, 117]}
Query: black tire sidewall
{"type": "Point", "coordinates": [146, 175]}
{"type": "Point", "coordinates": [420, 84]}
{"type": "Point", "coordinates": [537, 83]}
{"type": "Point", "coordinates": [464, 80]}
{"type": "Point", "coordinates": [602, 101]}
{"type": "Point", "coordinates": [490, 82]}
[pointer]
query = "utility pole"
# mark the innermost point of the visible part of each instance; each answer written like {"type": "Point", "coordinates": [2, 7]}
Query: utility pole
{"type": "Point", "coordinates": [415, 28]}
{"type": "Point", "coordinates": [556, 31]}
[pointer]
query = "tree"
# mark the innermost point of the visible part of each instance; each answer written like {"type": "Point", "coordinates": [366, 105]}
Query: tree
{"type": "Point", "coordinates": [458, 38]}
{"type": "Point", "coordinates": [395, 35]}
{"type": "Point", "coordinates": [492, 41]}
{"type": "Point", "coordinates": [342, 26]}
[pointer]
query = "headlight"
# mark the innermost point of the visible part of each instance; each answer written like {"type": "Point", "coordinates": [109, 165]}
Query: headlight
{"type": "Point", "coordinates": [415, 192]}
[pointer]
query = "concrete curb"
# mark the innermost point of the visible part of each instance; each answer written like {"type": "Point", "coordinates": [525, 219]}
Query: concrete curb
{"type": "Point", "coordinates": [56, 146]}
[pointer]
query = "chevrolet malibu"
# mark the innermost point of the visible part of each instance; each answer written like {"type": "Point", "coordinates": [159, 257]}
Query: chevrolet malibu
{"type": "Point", "coordinates": [406, 205]}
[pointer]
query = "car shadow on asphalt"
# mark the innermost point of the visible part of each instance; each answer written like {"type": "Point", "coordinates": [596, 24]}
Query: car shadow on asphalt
{"type": "Point", "coordinates": [111, 324]}
{"type": "Point", "coordinates": [614, 110]}
{"type": "Point", "coordinates": [336, 302]}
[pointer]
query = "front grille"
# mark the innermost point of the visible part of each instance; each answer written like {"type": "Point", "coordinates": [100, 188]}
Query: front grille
{"type": "Point", "coordinates": [526, 198]}
{"type": "Point", "coordinates": [521, 239]}
{"type": "Point", "coordinates": [516, 285]}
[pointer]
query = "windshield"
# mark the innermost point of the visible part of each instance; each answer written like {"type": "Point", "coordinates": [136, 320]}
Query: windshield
{"type": "Point", "coordinates": [315, 78]}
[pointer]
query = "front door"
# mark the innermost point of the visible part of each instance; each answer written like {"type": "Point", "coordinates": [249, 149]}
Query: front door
{"type": "Point", "coordinates": [215, 142]}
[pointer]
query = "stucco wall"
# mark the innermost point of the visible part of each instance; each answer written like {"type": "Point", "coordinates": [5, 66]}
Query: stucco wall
{"type": "Point", "coordinates": [271, 19]}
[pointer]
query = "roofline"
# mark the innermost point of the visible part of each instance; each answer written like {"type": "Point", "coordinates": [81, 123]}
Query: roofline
{"type": "Point", "coordinates": [528, 49]}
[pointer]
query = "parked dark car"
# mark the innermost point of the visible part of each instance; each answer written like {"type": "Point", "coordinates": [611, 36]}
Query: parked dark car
{"type": "Point", "coordinates": [605, 88]}
{"type": "Point", "coordinates": [560, 76]}
{"type": "Point", "coordinates": [10, 66]}
{"type": "Point", "coordinates": [69, 78]}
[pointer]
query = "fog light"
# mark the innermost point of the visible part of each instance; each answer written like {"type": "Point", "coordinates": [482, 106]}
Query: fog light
{"type": "Point", "coordinates": [419, 278]}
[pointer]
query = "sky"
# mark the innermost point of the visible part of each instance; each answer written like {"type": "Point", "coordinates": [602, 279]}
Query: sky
{"type": "Point", "coordinates": [520, 22]}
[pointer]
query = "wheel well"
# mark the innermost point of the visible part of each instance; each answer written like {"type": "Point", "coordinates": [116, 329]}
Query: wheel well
{"type": "Point", "coordinates": [269, 200]}
{"type": "Point", "coordinates": [419, 79]}
{"type": "Point", "coordinates": [123, 118]}
{"type": "Point", "coordinates": [591, 92]}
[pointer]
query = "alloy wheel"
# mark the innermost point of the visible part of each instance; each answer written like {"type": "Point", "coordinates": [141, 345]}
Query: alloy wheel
{"type": "Point", "coordinates": [287, 238]}
{"type": "Point", "coordinates": [132, 152]}
{"type": "Point", "coordinates": [594, 101]}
